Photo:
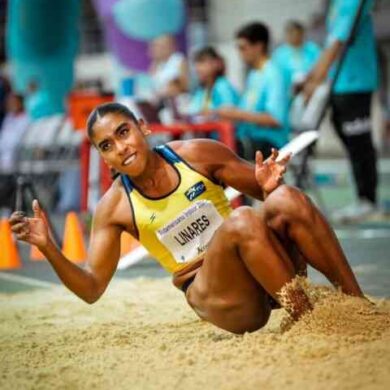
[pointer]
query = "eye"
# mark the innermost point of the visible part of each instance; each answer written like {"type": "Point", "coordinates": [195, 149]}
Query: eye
{"type": "Point", "coordinates": [123, 132]}
{"type": "Point", "coordinates": [105, 147]}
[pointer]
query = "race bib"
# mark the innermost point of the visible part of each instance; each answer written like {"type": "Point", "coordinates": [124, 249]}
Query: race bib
{"type": "Point", "coordinates": [189, 234]}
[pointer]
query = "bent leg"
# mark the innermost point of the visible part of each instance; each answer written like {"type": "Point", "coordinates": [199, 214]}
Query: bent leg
{"type": "Point", "coordinates": [243, 264]}
{"type": "Point", "coordinates": [291, 214]}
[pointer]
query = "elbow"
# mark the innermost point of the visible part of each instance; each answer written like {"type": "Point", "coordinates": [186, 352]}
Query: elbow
{"type": "Point", "coordinates": [90, 300]}
{"type": "Point", "coordinates": [93, 292]}
{"type": "Point", "coordinates": [274, 123]}
{"type": "Point", "coordinates": [92, 297]}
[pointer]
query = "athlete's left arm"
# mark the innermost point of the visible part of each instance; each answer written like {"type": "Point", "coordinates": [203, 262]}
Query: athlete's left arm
{"type": "Point", "coordinates": [221, 163]}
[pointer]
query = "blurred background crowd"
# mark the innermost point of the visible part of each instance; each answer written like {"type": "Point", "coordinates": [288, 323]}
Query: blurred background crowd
{"type": "Point", "coordinates": [177, 62]}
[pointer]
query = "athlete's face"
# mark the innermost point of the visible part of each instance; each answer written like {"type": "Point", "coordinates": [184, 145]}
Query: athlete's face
{"type": "Point", "coordinates": [122, 143]}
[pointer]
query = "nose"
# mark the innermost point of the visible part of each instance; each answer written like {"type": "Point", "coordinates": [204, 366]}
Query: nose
{"type": "Point", "coordinates": [121, 147]}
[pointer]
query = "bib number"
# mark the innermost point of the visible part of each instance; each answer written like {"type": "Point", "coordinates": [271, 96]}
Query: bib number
{"type": "Point", "coordinates": [189, 234]}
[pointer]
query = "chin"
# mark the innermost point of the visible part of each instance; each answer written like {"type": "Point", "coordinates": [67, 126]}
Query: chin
{"type": "Point", "coordinates": [133, 170]}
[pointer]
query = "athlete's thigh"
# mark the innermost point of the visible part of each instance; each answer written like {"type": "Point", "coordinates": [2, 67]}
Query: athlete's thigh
{"type": "Point", "coordinates": [224, 292]}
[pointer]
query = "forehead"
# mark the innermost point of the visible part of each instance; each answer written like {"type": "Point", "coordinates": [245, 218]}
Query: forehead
{"type": "Point", "coordinates": [163, 41]}
{"type": "Point", "coordinates": [13, 98]}
{"type": "Point", "coordinates": [203, 60]}
{"type": "Point", "coordinates": [243, 43]}
{"type": "Point", "coordinates": [106, 126]}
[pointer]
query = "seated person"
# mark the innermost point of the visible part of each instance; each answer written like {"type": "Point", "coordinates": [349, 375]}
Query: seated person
{"type": "Point", "coordinates": [4, 91]}
{"type": "Point", "coordinates": [261, 114]}
{"type": "Point", "coordinates": [14, 126]}
{"type": "Point", "coordinates": [38, 102]}
{"type": "Point", "coordinates": [297, 56]}
{"type": "Point", "coordinates": [169, 69]}
{"type": "Point", "coordinates": [215, 89]}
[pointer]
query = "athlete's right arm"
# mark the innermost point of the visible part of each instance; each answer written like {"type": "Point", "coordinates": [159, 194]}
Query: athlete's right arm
{"type": "Point", "coordinates": [90, 282]}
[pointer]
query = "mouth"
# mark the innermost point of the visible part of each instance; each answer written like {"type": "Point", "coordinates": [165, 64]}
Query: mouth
{"type": "Point", "coordinates": [128, 160]}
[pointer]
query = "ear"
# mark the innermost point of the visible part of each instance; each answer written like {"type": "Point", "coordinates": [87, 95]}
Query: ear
{"type": "Point", "coordinates": [144, 127]}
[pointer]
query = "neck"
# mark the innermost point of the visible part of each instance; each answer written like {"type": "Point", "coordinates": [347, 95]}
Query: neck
{"type": "Point", "coordinates": [296, 45]}
{"type": "Point", "coordinates": [209, 82]}
{"type": "Point", "coordinates": [16, 113]}
{"type": "Point", "coordinates": [260, 61]}
{"type": "Point", "coordinates": [164, 59]}
{"type": "Point", "coordinates": [153, 174]}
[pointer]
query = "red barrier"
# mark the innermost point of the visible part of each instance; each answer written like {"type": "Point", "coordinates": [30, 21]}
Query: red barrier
{"type": "Point", "coordinates": [81, 104]}
{"type": "Point", "coordinates": [225, 130]}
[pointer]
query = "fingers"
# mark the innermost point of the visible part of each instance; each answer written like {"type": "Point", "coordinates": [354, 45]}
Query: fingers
{"type": "Point", "coordinates": [274, 154]}
{"type": "Point", "coordinates": [282, 170]}
{"type": "Point", "coordinates": [21, 229]}
{"type": "Point", "coordinates": [16, 217]}
{"type": "Point", "coordinates": [259, 158]}
{"type": "Point", "coordinates": [36, 209]}
{"type": "Point", "coordinates": [285, 159]}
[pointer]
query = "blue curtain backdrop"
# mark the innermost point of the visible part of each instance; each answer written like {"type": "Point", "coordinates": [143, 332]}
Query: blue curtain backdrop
{"type": "Point", "coordinates": [42, 42]}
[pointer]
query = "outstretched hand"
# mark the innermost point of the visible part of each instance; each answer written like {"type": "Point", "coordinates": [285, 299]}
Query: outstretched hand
{"type": "Point", "coordinates": [269, 173]}
{"type": "Point", "coordinates": [32, 230]}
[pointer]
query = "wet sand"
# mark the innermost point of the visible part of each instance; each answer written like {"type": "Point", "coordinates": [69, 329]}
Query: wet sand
{"type": "Point", "coordinates": [142, 335]}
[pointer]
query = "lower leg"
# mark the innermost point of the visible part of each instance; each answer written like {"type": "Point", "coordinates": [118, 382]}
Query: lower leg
{"type": "Point", "coordinates": [268, 262]}
{"type": "Point", "coordinates": [290, 212]}
{"type": "Point", "coordinates": [363, 159]}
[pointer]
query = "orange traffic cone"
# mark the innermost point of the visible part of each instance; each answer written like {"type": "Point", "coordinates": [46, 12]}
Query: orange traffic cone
{"type": "Point", "coordinates": [73, 246]}
{"type": "Point", "coordinates": [128, 243]}
{"type": "Point", "coordinates": [9, 255]}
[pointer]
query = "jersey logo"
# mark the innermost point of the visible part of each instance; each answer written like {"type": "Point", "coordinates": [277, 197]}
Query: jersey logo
{"type": "Point", "coordinates": [152, 217]}
{"type": "Point", "coordinates": [194, 191]}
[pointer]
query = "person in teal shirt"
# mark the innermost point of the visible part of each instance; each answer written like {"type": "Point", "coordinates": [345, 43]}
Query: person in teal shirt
{"type": "Point", "coordinates": [39, 102]}
{"type": "Point", "coordinates": [297, 56]}
{"type": "Point", "coordinates": [215, 90]}
{"type": "Point", "coordinates": [351, 97]}
{"type": "Point", "coordinates": [261, 115]}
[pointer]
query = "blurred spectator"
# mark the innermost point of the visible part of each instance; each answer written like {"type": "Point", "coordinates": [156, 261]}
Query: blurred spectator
{"type": "Point", "coordinates": [69, 192]}
{"type": "Point", "coordinates": [351, 97]}
{"type": "Point", "coordinates": [37, 101]}
{"type": "Point", "coordinates": [215, 89]}
{"type": "Point", "coordinates": [4, 90]}
{"type": "Point", "coordinates": [296, 57]}
{"type": "Point", "coordinates": [14, 126]}
{"type": "Point", "coordinates": [262, 111]}
{"type": "Point", "coordinates": [169, 69]}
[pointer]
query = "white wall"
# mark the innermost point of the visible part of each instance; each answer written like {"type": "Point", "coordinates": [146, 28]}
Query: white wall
{"type": "Point", "coordinates": [96, 66]}
{"type": "Point", "coordinates": [226, 16]}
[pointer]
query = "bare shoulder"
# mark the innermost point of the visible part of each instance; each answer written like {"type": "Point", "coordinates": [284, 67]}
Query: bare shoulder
{"type": "Point", "coordinates": [218, 162]}
{"type": "Point", "coordinates": [202, 151]}
{"type": "Point", "coordinates": [114, 209]}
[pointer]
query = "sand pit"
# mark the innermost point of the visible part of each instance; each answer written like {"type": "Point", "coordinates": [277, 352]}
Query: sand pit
{"type": "Point", "coordinates": [141, 335]}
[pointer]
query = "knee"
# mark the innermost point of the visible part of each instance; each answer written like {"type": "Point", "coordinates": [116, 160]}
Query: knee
{"type": "Point", "coordinates": [288, 202]}
{"type": "Point", "coordinates": [244, 223]}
